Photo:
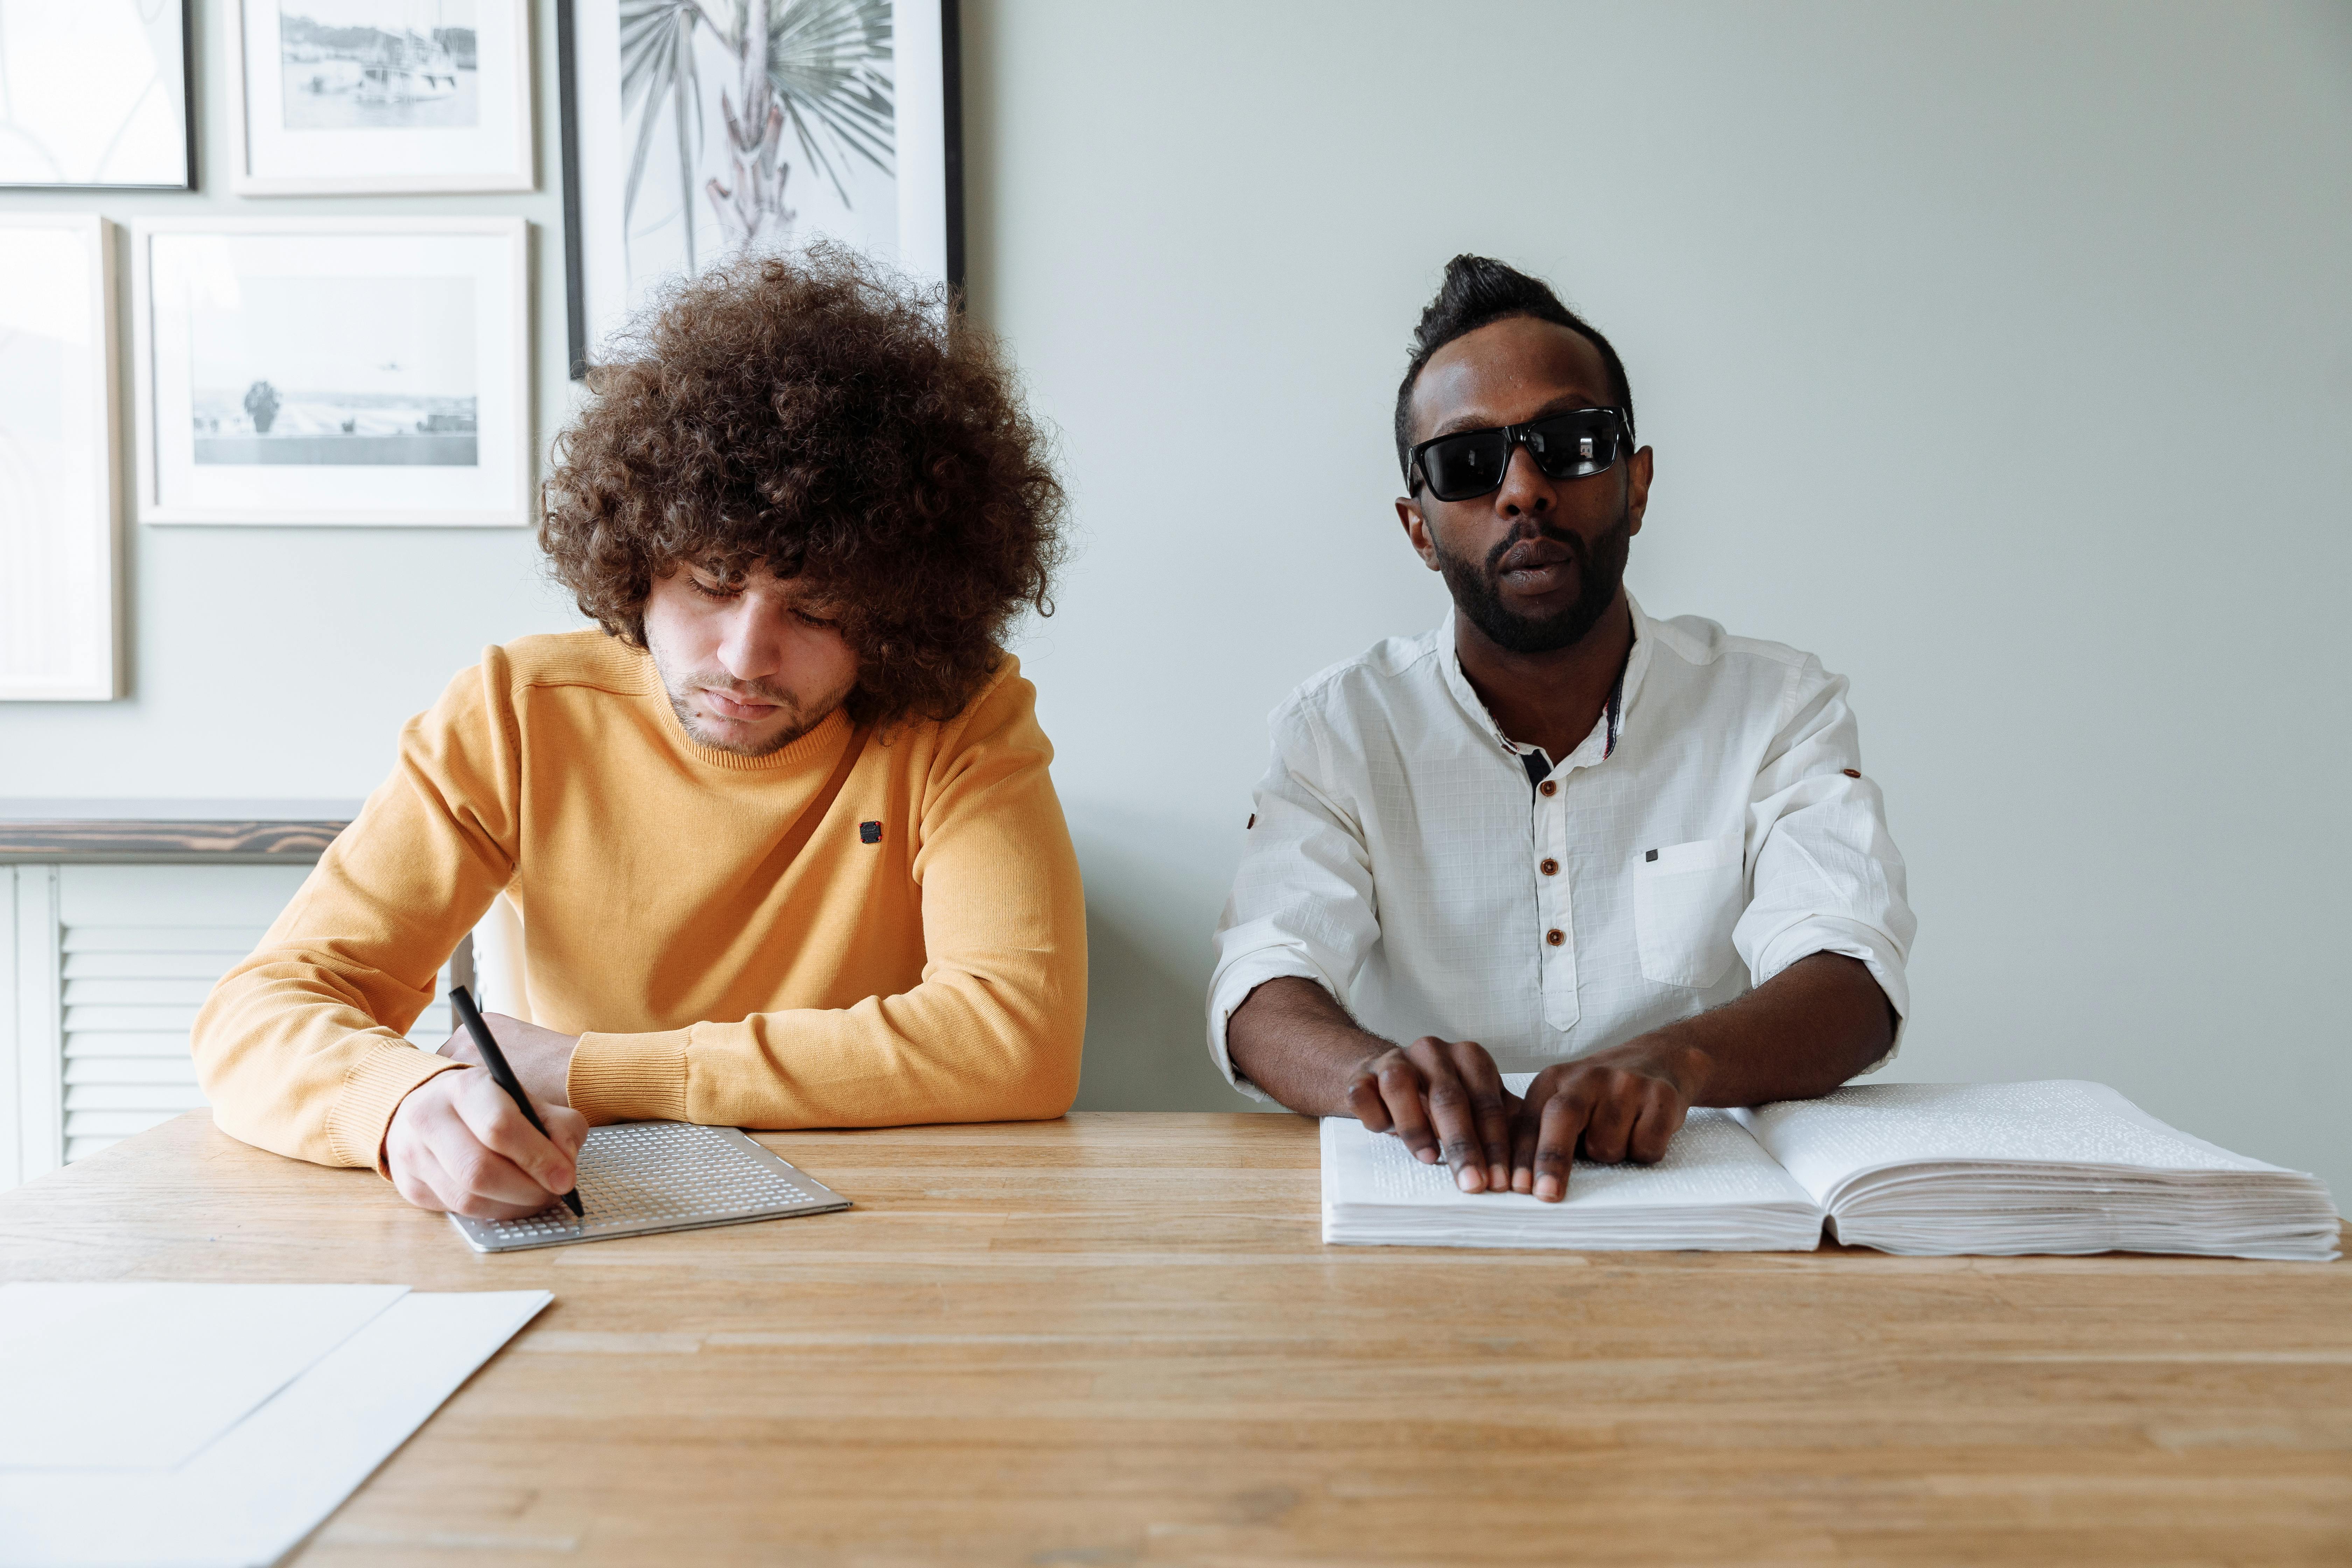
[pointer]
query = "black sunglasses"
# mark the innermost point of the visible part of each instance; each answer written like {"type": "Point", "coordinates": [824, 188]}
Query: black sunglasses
{"type": "Point", "coordinates": [1568, 445]}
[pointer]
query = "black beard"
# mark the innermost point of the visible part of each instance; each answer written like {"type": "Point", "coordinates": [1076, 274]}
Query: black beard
{"type": "Point", "coordinates": [1599, 569]}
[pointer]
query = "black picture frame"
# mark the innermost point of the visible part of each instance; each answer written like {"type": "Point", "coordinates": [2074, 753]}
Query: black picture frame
{"type": "Point", "coordinates": [570, 107]}
{"type": "Point", "coordinates": [576, 282]}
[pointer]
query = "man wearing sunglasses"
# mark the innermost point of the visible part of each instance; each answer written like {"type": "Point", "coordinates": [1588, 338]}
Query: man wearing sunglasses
{"type": "Point", "coordinates": [1636, 858]}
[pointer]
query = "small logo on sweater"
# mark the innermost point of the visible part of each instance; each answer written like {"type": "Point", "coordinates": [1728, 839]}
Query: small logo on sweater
{"type": "Point", "coordinates": [870, 832]}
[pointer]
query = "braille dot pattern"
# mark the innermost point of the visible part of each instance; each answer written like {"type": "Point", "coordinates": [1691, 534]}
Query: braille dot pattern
{"type": "Point", "coordinates": [655, 1176]}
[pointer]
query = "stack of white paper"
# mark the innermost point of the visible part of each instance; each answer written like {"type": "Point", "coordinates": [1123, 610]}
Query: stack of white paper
{"type": "Point", "coordinates": [2062, 1167]}
{"type": "Point", "coordinates": [169, 1423]}
{"type": "Point", "coordinates": [1716, 1189]}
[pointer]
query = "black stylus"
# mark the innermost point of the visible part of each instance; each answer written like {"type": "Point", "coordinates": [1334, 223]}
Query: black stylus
{"type": "Point", "coordinates": [496, 1060]}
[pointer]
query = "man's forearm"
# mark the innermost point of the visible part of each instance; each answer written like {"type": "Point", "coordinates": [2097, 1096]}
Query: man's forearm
{"type": "Point", "coordinates": [1801, 1033]}
{"type": "Point", "coordinates": [960, 1047]}
{"type": "Point", "coordinates": [1292, 1040]}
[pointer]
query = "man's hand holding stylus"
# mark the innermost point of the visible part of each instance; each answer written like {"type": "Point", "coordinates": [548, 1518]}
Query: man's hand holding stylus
{"type": "Point", "coordinates": [459, 1144]}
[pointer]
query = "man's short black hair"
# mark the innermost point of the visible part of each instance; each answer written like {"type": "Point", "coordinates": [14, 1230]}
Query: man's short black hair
{"type": "Point", "coordinates": [1479, 290]}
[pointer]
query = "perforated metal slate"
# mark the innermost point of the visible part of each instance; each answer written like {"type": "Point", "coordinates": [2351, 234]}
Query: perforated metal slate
{"type": "Point", "coordinates": [637, 1177]}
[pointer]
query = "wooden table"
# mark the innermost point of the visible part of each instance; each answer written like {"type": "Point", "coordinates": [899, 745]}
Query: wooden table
{"type": "Point", "coordinates": [1116, 1339]}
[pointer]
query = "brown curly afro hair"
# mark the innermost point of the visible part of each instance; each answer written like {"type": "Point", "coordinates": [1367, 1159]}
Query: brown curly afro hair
{"type": "Point", "coordinates": [822, 417]}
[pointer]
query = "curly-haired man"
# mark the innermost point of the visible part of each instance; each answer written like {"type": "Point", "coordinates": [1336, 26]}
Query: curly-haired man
{"type": "Point", "coordinates": [781, 831]}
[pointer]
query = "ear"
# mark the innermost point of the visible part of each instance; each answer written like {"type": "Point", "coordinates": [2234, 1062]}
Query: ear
{"type": "Point", "coordinates": [1637, 488]}
{"type": "Point", "coordinates": [1416, 531]}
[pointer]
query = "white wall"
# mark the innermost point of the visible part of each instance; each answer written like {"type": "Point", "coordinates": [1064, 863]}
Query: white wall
{"type": "Point", "coordinates": [279, 662]}
{"type": "Point", "coordinates": [2000, 354]}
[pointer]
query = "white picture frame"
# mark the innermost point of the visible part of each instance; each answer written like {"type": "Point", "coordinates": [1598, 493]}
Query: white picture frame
{"type": "Point", "coordinates": [60, 461]}
{"type": "Point", "coordinates": [867, 150]}
{"type": "Point", "coordinates": [375, 97]}
{"type": "Point", "coordinates": [385, 363]}
{"type": "Point", "coordinates": [95, 95]}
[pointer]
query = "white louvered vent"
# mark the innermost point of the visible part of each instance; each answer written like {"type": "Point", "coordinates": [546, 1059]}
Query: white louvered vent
{"type": "Point", "coordinates": [131, 985]}
{"type": "Point", "coordinates": [131, 998]}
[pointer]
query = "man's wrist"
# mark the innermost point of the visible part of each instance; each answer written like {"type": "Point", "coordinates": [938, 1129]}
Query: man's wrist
{"type": "Point", "coordinates": [377, 1096]}
{"type": "Point", "coordinates": [1695, 1071]}
{"type": "Point", "coordinates": [1681, 1060]}
{"type": "Point", "coordinates": [1356, 1051]}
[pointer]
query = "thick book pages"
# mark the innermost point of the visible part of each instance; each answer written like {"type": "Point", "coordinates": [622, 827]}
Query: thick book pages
{"type": "Point", "coordinates": [2063, 1167]}
{"type": "Point", "coordinates": [2059, 1166]}
{"type": "Point", "coordinates": [1716, 1189]}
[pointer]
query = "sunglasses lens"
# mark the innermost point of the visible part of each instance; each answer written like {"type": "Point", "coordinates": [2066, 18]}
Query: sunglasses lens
{"type": "Point", "coordinates": [1571, 445]}
{"type": "Point", "coordinates": [1466, 466]}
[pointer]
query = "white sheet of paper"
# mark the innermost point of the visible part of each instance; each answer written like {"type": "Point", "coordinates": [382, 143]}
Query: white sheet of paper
{"type": "Point", "coordinates": [140, 1376]}
{"type": "Point", "coordinates": [252, 1495]}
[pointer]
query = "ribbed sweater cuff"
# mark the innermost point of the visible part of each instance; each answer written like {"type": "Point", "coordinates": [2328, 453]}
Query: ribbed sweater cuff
{"type": "Point", "coordinates": [364, 1110]}
{"type": "Point", "coordinates": [630, 1077]}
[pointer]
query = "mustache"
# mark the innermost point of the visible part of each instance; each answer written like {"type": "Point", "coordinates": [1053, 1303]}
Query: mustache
{"type": "Point", "coordinates": [1527, 535]}
{"type": "Point", "coordinates": [742, 690]}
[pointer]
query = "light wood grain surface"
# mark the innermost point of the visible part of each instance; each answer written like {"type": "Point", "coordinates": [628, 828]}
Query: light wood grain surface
{"type": "Point", "coordinates": [1116, 1339]}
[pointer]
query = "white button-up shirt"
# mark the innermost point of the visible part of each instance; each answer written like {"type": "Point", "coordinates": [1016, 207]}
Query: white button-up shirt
{"type": "Point", "coordinates": [1402, 857]}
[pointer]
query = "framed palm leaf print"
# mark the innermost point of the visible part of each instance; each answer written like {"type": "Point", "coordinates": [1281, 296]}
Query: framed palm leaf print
{"type": "Point", "coordinates": [695, 130]}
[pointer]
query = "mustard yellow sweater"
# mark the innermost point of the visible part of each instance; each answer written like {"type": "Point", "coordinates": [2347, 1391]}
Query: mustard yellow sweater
{"type": "Point", "coordinates": [937, 973]}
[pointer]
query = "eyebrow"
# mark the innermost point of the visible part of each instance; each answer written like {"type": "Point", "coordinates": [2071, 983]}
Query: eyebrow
{"type": "Point", "coordinates": [1461, 423]}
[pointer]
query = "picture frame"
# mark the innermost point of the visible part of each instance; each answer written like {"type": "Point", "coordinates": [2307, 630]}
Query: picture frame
{"type": "Point", "coordinates": [665, 170]}
{"type": "Point", "coordinates": [333, 371]}
{"type": "Point", "coordinates": [97, 95]}
{"type": "Point", "coordinates": [60, 487]}
{"type": "Point", "coordinates": [380, 96]}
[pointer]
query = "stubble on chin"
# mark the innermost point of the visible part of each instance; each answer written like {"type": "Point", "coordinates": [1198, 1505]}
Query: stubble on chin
{"type": "Point", "coordinates": [1599, 569]}
{"type": "Point", "coordinates": [681, 688]}
{"type": "Point", "coordinates": [697, 728]}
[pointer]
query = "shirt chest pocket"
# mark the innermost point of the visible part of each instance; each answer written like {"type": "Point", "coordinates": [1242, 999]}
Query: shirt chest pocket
{"type": "Point", "coordinates": [1686, 898]}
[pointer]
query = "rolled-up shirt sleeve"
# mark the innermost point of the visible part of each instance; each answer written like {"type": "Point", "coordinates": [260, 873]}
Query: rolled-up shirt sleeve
{"type": "Point", "coordinates": [1302, 903]}
{"type": "Point", "coordinates": [1826, 875]}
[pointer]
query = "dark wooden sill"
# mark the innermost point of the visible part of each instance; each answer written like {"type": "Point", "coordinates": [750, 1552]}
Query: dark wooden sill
{"type": "Point", "coordinates": [163, 840]}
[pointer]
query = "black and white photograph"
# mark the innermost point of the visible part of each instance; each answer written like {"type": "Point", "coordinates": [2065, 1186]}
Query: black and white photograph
{"type": "Point", "coordinates": [753, 125]}
{"type": "Point", "coordinates": [362, 370]}
{"type": "Point", "coordinates": [382, 96]}
{"type": "Point", "coordinates": [367, 63]}
{"type": "Point", "coordinates": [394, 384]}
{"type": "Point", "coordinates": [95, 93]}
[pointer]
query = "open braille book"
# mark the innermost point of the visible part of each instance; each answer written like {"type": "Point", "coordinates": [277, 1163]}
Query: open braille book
{"type": "Point", "coordinates": [2060, 1166]}
{"type": "Point", "coordinates": [637, 1177]}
